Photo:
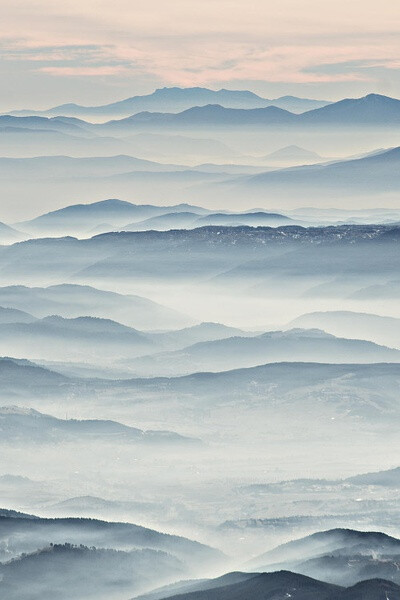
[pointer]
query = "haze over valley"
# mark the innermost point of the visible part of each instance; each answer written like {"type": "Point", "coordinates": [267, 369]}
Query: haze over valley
{"type": "Point", "coordinates": [199, 301]}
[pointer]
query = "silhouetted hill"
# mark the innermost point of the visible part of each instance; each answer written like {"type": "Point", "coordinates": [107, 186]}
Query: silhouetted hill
{"type": "Point", "coordinates": [197, 585]}
{"type": "Point", "coordinates": [65, 571]}
{"type": "Point", "coordinates": [371, 589]}
{"type": "Point", "coordinates": [267, 586]}
{"type": "Point", "coordinates": [373, 109]}
{"type": "Point", "coordinates": [274, 586]}
{"type": "Point", "coordinates": [27, 533]}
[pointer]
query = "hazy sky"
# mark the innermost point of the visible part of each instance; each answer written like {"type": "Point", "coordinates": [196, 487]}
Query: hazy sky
{"type": "Point", "coordinates": [96, 51]}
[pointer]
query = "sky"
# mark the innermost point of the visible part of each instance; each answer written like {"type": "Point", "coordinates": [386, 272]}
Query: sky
{"type": "Point", "coordinates": [98, 51]}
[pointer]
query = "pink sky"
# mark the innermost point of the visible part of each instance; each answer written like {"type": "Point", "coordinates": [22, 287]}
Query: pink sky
{"type": "Point", "coordinates": [92, 51]}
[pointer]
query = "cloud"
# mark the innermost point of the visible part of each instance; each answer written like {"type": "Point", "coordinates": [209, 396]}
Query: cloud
{"type": "Point", "coordinates": [182, 42]}
{"type": "Point", "coordinates": [84, 71]}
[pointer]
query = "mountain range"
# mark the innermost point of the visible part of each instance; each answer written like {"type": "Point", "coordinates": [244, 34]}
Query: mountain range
{"type": "Point", "coordinates": [227, 256]}
{"type": "Point", "coordinates": [175, 99]}
{"type": "Point", "coordinates": [341, 389]}
{"type": "Point", "coordinates": [371, 110]}
{"type": "Point", "coordinates": [113, 214]}
{"type": "Point", "coordinates": [91, 338]}
{"type": "Point", "coordinates": [306, 345]}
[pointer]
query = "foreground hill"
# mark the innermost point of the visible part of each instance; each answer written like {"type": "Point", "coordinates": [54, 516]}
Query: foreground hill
{"type": "Point", "coordinates": [285, 584]}
{"type": "Point", "coordinates": [197, 585]}
{"type": "Point", "coordinates": [28, 533]}
{"type": "Point", "coordinates": [266, 586]}
{"type": "Point", "coordinates": [65, 571]}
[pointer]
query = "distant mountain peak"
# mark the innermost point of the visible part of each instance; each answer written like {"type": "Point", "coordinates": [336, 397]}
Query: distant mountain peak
{"type": "Point", "coordinates": [292, 152]}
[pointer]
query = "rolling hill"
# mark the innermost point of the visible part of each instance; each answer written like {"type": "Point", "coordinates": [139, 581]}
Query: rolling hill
{"type": "Point", "coordinates": [240, 352]}
{"type": "Point", "coordinates": [27, 426]}
{"type": "Point", "coordinates": [64, 571]}
{"type": "Point", "coordinates": [56, 338]}
{"type": "Point", "coordinates": [73, 301]}
{"type": "Point", "coordinates": [347, 541]}
{"type": "Point", "coordinates": [377, 328]}
{"type": "Point", "coordinates": [28, 533]}
{"type": "Point", "coordinates": [379, 173]}
{"type": "Point", "coordinates": [9, 235]}
{"type": "Point", "coordinates": [83, 217]}
{"type": "Point", "coordinates": [264, 586]}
